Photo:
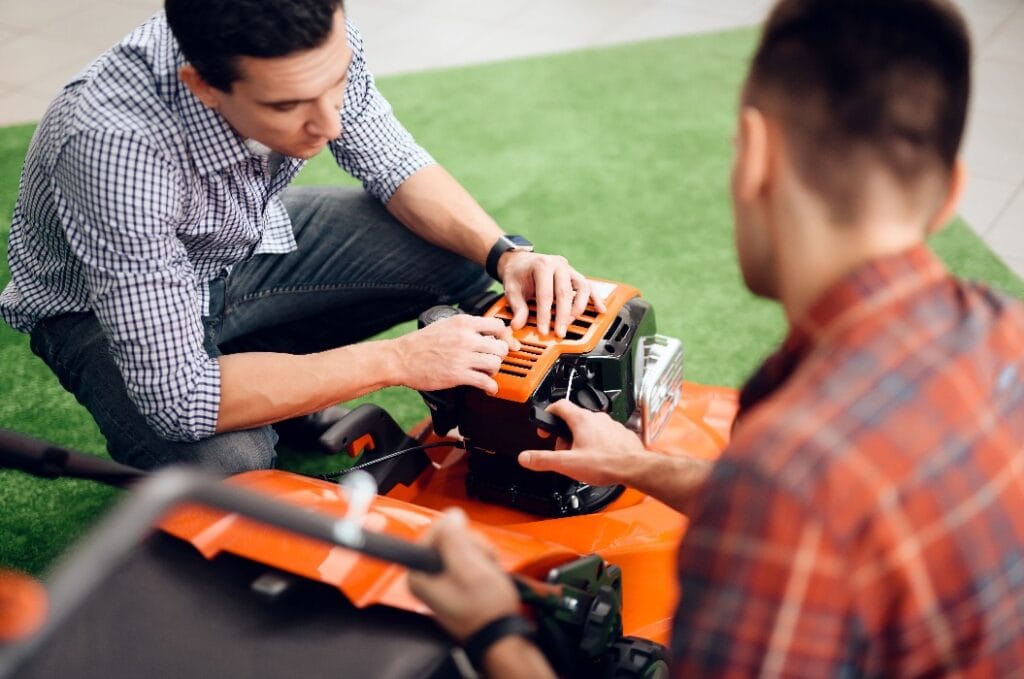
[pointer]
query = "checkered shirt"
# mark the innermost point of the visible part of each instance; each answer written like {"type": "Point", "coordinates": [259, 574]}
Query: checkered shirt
{"type": "Point", "coordinates": [134, 196]}
{"type": "Point", "coordinates": [868, 517]}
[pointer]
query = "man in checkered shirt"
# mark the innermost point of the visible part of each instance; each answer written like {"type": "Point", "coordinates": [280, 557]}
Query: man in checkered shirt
{"type": "Point", "coordinates": [188, 298]}
{"type": "Point", "coordinates": [867, 518]}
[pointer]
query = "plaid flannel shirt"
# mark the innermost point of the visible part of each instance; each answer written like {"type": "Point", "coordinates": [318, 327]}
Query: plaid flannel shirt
{"type": "Point", "coordinates": [134, 196]}
{"type": "Point", "coordinates": [868, 517]}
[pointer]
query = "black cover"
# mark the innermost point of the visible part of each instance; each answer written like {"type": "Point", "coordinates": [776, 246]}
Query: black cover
{"type": "Point", "coordinates": [169, 612]}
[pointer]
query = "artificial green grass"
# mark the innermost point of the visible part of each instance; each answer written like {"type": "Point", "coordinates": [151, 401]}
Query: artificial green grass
{"type": "Point", "coordinates": [617, 158]}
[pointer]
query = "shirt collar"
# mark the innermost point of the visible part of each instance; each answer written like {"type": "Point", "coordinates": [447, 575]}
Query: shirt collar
{"type": "Point", "coordinates": [213, 143]}
{"type": "Point", "coordinates": [865, 291]}
{"type": "Point", "coordinates": [854, 300]}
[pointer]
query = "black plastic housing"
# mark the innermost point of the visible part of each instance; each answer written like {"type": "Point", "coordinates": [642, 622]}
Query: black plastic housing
{"type": "Point", "coordinates": [497, 430]}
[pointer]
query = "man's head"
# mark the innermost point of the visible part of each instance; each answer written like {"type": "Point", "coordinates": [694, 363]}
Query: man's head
{"type": "Point", "coordinates": [276, 71]}
{"type": "Point", "coordinates": [867, 100]}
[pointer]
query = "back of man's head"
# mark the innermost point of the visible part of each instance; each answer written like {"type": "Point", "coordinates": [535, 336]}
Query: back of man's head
{"type": "Point", "coordinates": [214, 33]}
{"type": "Point", "coordinates": [860, 86]}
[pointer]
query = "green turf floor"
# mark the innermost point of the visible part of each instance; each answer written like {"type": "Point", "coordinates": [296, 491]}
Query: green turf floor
{"type": "Point", "coordinates": [616, 158]}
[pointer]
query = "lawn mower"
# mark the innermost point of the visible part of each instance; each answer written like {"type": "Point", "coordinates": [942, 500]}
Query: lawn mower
{"type": "Point", "coordinates": [269, 572]}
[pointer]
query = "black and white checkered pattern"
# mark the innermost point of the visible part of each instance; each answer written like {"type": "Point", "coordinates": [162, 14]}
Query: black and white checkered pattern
{"type": "Point", "coordinates": [134, 196]}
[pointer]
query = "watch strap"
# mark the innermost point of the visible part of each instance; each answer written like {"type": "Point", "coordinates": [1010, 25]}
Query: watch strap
{"type": "Point", "coordinates": [506, 626]}
{"type": "Point", "coordinates": [500, 247]}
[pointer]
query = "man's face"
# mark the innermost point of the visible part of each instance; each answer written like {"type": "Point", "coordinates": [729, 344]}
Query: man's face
{"type": "Point", "coordinates": [292, 103]}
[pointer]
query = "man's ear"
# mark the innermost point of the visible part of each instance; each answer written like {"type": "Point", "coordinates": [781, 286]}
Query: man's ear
{"type": "Point", "coordinates": [954, 192]}
{"type": "Point", "coordinates": [752, 161]}
{"type": "Point", "coordinates": [204, 91]}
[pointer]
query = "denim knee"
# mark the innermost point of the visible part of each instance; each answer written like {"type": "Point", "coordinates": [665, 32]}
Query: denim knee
{"type": "Point", "coordinates": [239, 451]}
{"type": "Point", "coordinates": [227, 453]}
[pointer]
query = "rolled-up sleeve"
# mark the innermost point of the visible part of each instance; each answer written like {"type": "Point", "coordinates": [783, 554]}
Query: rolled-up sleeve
{"type": "Point", "coordinates": [374, 147]}
{"type": "Point", "coordinates": [120, 201]}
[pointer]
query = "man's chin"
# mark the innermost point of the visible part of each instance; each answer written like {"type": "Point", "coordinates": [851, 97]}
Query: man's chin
{"type": "Point", "coordinates": [306, 152]}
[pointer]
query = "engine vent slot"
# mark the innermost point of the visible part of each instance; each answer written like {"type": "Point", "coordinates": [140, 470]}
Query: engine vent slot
{"type": "Point", "coordinates": [613, 328]}
{"type": "Point", "coordinates": [578, 328]}
{"type": "Point", "coordinates": [520, 363]}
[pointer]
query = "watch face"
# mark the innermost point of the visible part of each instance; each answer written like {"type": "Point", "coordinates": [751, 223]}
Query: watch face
{"type": "Point", "coordinates": [520, 243]}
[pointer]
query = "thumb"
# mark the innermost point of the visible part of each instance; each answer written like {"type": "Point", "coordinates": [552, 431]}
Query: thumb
{"type": "Point", "coordinates": [538, 460]}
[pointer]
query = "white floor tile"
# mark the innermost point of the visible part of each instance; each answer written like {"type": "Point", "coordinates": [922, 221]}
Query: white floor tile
{"type": "Point", "coordinates": [985, 18]}
{"type": "Point", "coordinates": [994, 144]}
{"type": "Point", "coordinates": [33, 15]}
{"type": "Point", "coordinates": [664, 20]}
{"type": "Point", "coordinates": [21, 107]}
{"type": "Point", "coordinates": [373, 18]}
{"type": "Point", "coordinates": [486, 12]}
{"type": "Point", "coordinates": [992, 161]}
{"type": "Point", "coordinates": [984, 200]}
{"type": "Point", "coordinates": [999, 87]}
{"type": "Point", "coordinates": [27, 58]}
{"type": "Point", "coordinates": [579, 21]}
{"type": "Point", "coordinates": [497, 45]}
{"type": "Point", "coordinates": [746, 11]}
{"type": "Point", "coordinates": [1006, 237]}
{"type": "Point", "coordinates": [1007, 41]}
{"type": "Point", "coordinates": [403, 47]}
{"type": "Point", "coordinates": [100, 25]}
{"type": "Point", "coordinates": [1015, 264]}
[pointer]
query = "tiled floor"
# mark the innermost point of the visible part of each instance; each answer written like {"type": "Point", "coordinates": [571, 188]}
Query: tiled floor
{"type": "Point", "coordinates": [44, 42]}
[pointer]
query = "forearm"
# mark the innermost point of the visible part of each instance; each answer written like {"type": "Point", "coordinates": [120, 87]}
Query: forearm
{"type": "Point", "coordinates": [515, 658]}
{"type": "Point", "coordinates": [259, 388]}
{"type": "Point", "coordinates": [432, 204]}
{"type": "Point", "coordinates": [671, 479]}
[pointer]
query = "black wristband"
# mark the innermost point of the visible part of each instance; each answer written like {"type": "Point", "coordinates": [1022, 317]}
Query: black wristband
{"type": "Point", "coordinates": [485, 637]}
{"type": "Point", "coordinates": [500, 247]}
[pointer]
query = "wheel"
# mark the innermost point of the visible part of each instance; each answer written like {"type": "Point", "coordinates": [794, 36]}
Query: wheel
{"type": "Point", "coordinates": [635, 658]}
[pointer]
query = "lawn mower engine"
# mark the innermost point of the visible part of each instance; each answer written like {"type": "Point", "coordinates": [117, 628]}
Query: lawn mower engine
{"type": "Point", "coordinates": [609, 361]}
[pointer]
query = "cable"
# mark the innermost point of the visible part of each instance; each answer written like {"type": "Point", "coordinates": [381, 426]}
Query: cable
{"type": "Point", "coordinates": [334, 476]}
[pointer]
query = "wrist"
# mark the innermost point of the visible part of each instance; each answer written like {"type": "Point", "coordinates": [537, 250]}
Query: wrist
{"type": "Point", "coordinates": [496, 635]}
{"type": "Point", "coordinates": [505, 259]}
{"type": "Point", "coordinates": [515, 652]}
{"type": "Point", "coordinates": [391, 363]}
{"type": "Point", "coordinates": [501, 247]}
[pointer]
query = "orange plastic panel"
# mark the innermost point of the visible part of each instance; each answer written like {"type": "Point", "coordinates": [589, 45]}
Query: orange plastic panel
{"type": "Point", "coordinates": [522, 371]}
{"type": "Point", "coordinates": [637, 533]}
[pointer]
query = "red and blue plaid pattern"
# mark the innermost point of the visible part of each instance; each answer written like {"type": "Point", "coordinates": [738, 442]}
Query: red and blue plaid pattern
{"type": "Point", "coordinates": [868, 517]}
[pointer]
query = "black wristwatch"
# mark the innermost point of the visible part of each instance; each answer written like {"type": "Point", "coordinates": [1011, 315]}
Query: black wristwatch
{"type": "Point", "coordinates": [503, 245]}
{"type": "Point", "coordinates": [477, 645]}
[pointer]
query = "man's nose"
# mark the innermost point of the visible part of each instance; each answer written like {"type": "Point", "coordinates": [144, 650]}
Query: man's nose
{"type": "Point", "coordinates": [326, 121]}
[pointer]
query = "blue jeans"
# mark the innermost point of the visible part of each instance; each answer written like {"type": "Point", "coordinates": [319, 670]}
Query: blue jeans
{"type": "Point", "coordinates": [357, 271]}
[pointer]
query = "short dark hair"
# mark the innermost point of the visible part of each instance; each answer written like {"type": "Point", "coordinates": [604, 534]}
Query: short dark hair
{"type": "Point", "coordinates": [864, 82]}
{"type": "Point", "coordinates": [214, 33]}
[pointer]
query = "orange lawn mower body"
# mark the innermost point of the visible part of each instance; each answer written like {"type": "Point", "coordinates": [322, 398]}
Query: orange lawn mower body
{"type": "Point", "coordinates": [634, 532]}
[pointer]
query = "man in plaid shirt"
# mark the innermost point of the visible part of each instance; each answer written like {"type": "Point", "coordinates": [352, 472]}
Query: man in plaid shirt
{"type": "Point", "coordinates": [867, 518]}
{"type": "Point", "coordinates": [188, 299]}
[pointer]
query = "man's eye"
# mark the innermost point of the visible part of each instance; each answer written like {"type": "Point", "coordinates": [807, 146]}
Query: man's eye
{"type": "Point", "coordinates": [284, 108]}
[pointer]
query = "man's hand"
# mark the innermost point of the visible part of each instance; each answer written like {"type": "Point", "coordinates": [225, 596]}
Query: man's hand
{"type": "Point", "coordinates": [473, 590]}
{"type": "Point", "coordinates": [455, 351]}
{"type": "Point", "coordinates": [604, 452]}
{"type": "Point", "coordinates": [547, 279]}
